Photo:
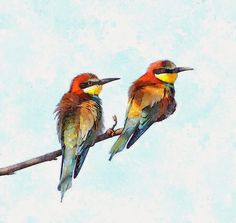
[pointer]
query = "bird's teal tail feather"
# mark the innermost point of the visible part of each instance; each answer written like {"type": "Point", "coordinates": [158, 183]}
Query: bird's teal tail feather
{"type": "Point", "coordinates": [68, 164]}
{"type": "Point", "coordinates": [121, 142]}
{"type": "Point", "coordinates": [65, 185]}
{"type": "Point", "coordinates": [130, 126]}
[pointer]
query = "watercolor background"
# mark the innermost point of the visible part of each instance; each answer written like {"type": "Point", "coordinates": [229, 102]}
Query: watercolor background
{"type": "Point", "coordinates": [182, 170]}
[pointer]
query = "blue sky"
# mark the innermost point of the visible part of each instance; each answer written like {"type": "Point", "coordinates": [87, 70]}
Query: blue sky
{"type": "Point", "coordinates": [183, 170]}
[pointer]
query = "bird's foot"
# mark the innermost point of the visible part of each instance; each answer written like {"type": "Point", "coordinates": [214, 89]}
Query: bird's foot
{"type": "Point", "coordinates": [110, 132]}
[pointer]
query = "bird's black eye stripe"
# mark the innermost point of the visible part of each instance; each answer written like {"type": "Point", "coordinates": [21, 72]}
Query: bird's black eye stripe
{"type": "Point", "coordinates": [159, 71]}
{"type": "Point", "coordinates": [83, 85]}
{"type": "Point", "coordinates": [163, 70]}
{"type": "Point", "coordinates": [87, 84]}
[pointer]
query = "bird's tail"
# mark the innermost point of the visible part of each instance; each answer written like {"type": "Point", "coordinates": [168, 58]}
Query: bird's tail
{"type": "Point", "coordinates": [121, 142]}
{"type": "Point", "coordinates": [67, 169]}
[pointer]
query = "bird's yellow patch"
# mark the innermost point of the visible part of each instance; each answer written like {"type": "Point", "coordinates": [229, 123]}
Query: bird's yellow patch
{"type": "Point", "coordinates": [95, 89]}
{"type": "Point", "coordinates": [134, 110]}
{"type": "Point", "coordinates": [147, 96]}
{"type": "Point", "coordinates": [166, 77]}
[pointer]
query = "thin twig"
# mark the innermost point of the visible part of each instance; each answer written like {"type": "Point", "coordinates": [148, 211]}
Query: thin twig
{"type": "Point", "coordinates": [8, 170]}
{"type": "Point", "coordinates": [115, 122]}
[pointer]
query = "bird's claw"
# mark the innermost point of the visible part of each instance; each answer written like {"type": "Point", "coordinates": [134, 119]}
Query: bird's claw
{"type": "Point", "coordinates": [110, 132]}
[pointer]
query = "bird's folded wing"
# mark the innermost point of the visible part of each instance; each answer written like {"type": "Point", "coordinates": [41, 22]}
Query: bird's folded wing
{"type": "Point", "coordinates": [148, 117]}
{"type": "Point", "coordinates": [146, 105]}
{"type": "Point", "coordinates": [88, 124]}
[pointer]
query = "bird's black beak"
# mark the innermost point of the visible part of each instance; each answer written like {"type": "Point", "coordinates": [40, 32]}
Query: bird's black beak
{"type": "Point", "coordinates": [107, 80]}
{"type": "Point", "coordinates": [181, 69]}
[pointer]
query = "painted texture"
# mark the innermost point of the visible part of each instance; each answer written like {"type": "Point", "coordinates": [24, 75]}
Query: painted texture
{"type": "Point", "coordinates": [183, 170]}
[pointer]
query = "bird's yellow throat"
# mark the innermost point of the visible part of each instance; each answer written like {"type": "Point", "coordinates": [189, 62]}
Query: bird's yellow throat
{"type": "Point", "coordinates": [95, 89]}
{"type": "Point", "coordinates": [166, 77]}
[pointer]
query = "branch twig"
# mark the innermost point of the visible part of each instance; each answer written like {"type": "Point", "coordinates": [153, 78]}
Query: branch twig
{"type": "Point", "coordinates": [8, 170]}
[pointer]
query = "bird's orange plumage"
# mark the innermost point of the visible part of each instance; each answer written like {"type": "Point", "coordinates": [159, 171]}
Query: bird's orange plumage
{"type": "Point", "coordinates": [147, 89]}
{"type": "Point", "coordinates": [75, 85]}
{"type": "Point", "coordinates": [148, 77]}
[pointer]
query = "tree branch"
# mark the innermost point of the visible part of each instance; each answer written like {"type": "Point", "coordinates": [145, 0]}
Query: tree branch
{"type": "Point", "coordinates": [8, 170]}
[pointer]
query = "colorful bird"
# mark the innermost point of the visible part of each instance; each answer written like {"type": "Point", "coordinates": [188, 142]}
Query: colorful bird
{"type": "Point", "coordinates": [79, 120]}
{"type": "Point", "coordinates": [151, 99]}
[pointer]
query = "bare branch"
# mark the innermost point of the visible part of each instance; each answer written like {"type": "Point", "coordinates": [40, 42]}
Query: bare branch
{"type": "Point", "coordinates": [53, 155]}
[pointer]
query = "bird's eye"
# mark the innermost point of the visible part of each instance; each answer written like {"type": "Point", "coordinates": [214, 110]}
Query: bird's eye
{"type": "Point", "coordinates": [90, 83]}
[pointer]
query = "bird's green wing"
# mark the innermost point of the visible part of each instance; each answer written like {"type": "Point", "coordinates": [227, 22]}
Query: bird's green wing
{"type": "Point", "coordinates": [78, 132]}
{"type": "Point", "coordinates": [147, 119]}
{"type": "Point", "coordinates": [141, 114]}
{"type": "Point", "coordinates": [88, 125]}
{"type": "Point", "coordinates": [158, 111]}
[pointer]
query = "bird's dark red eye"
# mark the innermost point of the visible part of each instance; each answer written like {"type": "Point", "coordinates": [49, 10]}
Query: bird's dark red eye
{"type": "Point", "coordinates": [90, 83]}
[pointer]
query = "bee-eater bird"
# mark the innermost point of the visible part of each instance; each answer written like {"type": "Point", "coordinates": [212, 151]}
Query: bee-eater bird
{"type": "Point", "coordinates": [151, 99]}
{"type": "Point", "coordinates": [79, 120]}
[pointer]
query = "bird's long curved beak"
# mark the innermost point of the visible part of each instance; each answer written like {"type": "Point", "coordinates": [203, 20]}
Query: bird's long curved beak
{"type": "Point", "coordinates": [181, 69]}
{"type": "Point", "coordinates": [107, 80]}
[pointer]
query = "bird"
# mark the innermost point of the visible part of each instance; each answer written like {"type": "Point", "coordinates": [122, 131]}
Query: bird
{"type": "Point", "coordinates": [79, 120]}
{"type": "Point", "coordinates": [151, 99]}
